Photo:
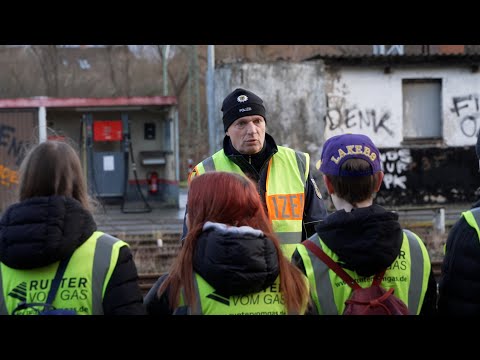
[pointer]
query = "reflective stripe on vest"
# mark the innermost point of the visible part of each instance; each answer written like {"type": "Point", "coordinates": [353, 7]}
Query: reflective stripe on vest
{"type": "Point", "coordinates": [324, 283]}
{"type": "Point", "coordinates": [473, 219]}
{"type": "Point", "coordinates": [84, 281]}
{"type": "Point", "coordinates": [417, 260]}
{"type": "Point", "coordinates": [208, 165]}
{"type": "Point", "coordinates": [318, 275]}
{"type": "Point", "coordinates": [265, 302]}
{"type": "Point", "coordinates": [285, 190]}
{"type": "Point", "coordinates": [106, 256]}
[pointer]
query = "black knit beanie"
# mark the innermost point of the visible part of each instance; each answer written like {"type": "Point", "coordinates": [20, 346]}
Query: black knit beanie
{"type": "Point", "coordinates": [240, 103]}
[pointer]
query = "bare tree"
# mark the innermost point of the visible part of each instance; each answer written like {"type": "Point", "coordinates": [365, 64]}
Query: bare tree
{"type": "Point", "coordinates": [119, 62]}
{"type": "Point", "coordinates": [177, 74]}
{"type": "Point", "coordinates": [111, 67]}
{"type": "Point", "coordinates": [126, 68]}
{"type": "Point", "coordinates": [48, 60]}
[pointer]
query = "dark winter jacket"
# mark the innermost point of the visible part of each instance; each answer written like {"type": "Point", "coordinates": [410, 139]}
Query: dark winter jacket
{"type": "Point", "coordinates": [367, 240]}
{"type": "Point", "coordinates": [459, 290]}
{"type": "Point", "coordinates": [43, 230]}
{"type": "Point", "coordinates": [232, 262]}
{"type": "Point", "coordinates": [256, 166]}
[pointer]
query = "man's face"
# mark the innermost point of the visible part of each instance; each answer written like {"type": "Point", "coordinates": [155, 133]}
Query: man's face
{"type": "Point", "coordinates": [247, 134]}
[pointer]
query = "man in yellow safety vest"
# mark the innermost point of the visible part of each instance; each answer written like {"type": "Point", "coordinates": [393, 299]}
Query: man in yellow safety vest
{"type": "Point", "coordinates": [291, 197]}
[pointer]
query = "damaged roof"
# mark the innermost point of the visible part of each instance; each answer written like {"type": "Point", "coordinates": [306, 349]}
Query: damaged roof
{"type": "Point", "coordinates": [388, 60]}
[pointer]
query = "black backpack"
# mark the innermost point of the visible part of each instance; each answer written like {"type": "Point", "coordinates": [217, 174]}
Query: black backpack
{"type": "Point", "coordinates": [373, 300]}
{"type": "Point", "coordinates": [47, 308]}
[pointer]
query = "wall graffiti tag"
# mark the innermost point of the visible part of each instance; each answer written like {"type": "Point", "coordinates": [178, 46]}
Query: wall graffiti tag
{"type": "Point", "coordinates": [8, 176]}
{"type": "Point", "coordinates": [466, 108]}
{"type": "Point", "coordinates": [339, 115]}
{"type": "Point", "coordinates": [429, 176]}
{"type": "Point", "coordinates": [14, 148]}
{"type": "Point", "coordinates": [9, 141]}
{"type": "Point", "coordinates": [18, 130]}
{"type": "Point", "coordinates": [395, 165]}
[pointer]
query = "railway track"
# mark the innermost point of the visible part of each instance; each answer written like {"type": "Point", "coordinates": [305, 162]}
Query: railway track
{"type": "Point", "coordinates": [147, 280]}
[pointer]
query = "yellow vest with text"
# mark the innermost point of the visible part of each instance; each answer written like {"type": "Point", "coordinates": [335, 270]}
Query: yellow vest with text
{"type": "Point", "coordinates": [83, 284]}
{"type": "Point", "coordinates": [408, 276]}
{"type": "Point", "coordinates": [285, 190]}
{"type": "Point", "coordinates": [266, 302]}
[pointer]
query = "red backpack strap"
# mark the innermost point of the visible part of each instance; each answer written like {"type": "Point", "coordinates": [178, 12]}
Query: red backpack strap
{"type": "Point", "coordinates": [377, 279]}
{"type": "Point", "coordinates": [331, 264]}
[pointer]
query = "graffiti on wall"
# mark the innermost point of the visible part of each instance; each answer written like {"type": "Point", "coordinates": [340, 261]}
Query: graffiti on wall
{"type": "Point", "coordinates": [466, 109]}
{"type": "Point", "coordinates": [14, 149]}
{"type": "Point", "coordinates": [8, 140]}
{"type": "Point", "coordinates": [429, 176]}
{"type": "Point", "coordinates": [395, 165]}
{"type": "Point", "coordinates": [353, 117]}
{"type": "Point", "coordinates": [8, 176]}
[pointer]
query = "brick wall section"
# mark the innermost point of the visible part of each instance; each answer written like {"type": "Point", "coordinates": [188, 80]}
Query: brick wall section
{"type": "Point", "coordinates": [447, 49]}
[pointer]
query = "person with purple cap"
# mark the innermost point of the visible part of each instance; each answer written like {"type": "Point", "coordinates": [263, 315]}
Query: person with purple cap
{"type": "Point", "coordinates": [459, 287]}
{"type": "Point", "coordinates": [290, 195]}
{"type": "Point", "coordinates": [362, 237]}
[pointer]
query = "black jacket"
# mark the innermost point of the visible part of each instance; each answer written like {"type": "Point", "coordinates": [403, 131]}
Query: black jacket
{"type": "Point", "coordinates": [234, 262]}
{"type": "Point", "coordinates": [459, 290]}
{"type": "Point", "coordinates": [256, 166]}
{"type": "Point", "coordinates": [43, 230]}
{"type": "Point", "coordinates": [367, 240]}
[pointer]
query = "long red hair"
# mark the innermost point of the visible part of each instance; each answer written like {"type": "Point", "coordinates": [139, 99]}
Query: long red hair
{"type": "Point", "coordinates": [229, 199]}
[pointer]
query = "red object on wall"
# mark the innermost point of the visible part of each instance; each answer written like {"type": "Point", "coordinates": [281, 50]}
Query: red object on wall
{"type": "Point", "coordinates": [110, 130]}
{"type": "Point", "coordinates": [152, 181]}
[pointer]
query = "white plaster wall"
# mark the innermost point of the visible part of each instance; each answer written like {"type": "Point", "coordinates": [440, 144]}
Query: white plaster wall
{"type": "Point", "coordinates": [365, 101]}
{"type": "Point", "coordinates": [461, 92]}
{"type": "Point", "coordinates": [293, 95]}
{"type": "Point", "coordinates": [368, 91]}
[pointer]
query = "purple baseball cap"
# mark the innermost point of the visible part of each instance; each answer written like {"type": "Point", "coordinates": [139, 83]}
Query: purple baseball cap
{"type": "Point", "coordinates": [340, 148]}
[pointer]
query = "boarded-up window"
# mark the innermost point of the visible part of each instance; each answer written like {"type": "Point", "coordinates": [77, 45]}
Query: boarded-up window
{"type": "Point", "coordinates": [422, 117]}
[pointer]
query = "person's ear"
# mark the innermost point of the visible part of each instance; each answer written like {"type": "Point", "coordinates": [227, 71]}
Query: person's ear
{"type": "Point", "coordinates": [379, 178]}
{"type": "Point", "coordinates": [328, 184]}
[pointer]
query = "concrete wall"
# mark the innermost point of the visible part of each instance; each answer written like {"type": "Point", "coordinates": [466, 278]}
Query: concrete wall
{"type": "Point", "coordinates": [368, 101]}
{"type": "Point", "coordinates": [308, 102]}
{"type": "Point", "coordinates": [356, 93]}
{"type": "Point", "coordinates": [293, 95]}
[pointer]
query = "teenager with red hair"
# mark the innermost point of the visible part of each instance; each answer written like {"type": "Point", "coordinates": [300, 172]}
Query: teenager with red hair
{"type": "Point", "coordinates": [231, 261]}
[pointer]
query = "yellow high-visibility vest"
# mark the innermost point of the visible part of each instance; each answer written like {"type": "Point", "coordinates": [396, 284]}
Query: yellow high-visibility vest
{"type": "Point", "coordinates": [83, 284]}
{"type": "Point", "coordinates": [285, 190]}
